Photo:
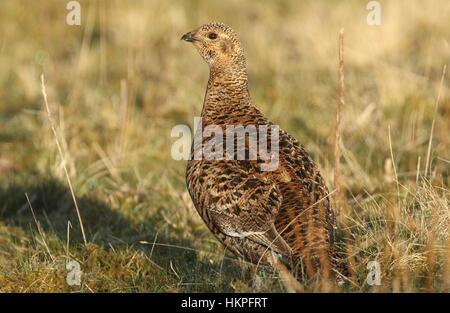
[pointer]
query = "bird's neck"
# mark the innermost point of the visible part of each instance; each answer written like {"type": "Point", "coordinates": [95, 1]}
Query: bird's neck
{"type": "Point", "coordinates": [227, 88]}
{"type": "Point", "coordinates": [229, 70]}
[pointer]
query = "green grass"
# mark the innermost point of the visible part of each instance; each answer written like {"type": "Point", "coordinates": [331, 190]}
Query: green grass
{"type": "Point", "coordinates": [117, 85]}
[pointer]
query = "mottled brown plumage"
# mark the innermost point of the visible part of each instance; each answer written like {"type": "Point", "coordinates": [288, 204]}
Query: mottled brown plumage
{"type": "Point", "coordinates": [251, 211]}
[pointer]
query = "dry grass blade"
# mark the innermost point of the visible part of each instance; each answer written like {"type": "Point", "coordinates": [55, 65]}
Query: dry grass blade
{"type": "Point", "coordinates": [427, 163]}
{"type": "Point", "coordinates": [173, 270]}
{"type": "Point", "coordinates": [153, 245]}
{"type": "Point", "coordinates": [124, 114]}
{"type": "Point", "coordinates": [337, 151]}
{"type": "Point", "coordinates": [55, 134]}
{"type": "Point", "coordinates": [393, 164]}
{"type": "Point", "coordinates": [69, 226]}
{"type": "Point", "coordinates": [38, 225]}
{"type": "Point", "coordinates": [143, 242]}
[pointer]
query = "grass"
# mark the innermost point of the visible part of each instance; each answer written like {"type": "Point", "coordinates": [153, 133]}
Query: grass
{"type": "Point", "coordinates": [116, 86]}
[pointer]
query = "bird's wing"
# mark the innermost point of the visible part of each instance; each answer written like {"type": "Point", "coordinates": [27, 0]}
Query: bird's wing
{"type": "Point", "coordinates": [303, 169]}
{"type": "Point", "coordinates": [243, 203]}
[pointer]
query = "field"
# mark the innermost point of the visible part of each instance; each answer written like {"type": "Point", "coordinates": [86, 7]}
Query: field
{"type": "Point", "coordinates": [117, 85]}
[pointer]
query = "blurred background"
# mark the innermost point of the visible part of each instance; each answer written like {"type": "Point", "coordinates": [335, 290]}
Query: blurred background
{"type": "Point", "coordinates": [120, 81]}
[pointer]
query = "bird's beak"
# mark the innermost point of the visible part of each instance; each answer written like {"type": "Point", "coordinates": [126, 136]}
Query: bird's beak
{"type": "Point", "coordinates": [188, 37]}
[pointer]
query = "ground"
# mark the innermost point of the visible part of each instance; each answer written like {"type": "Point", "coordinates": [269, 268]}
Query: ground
{"type": "Point", "coordinates": [117, 85]}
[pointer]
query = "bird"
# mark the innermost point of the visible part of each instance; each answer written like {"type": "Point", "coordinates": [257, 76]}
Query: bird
{"type": "Point", "coordinates": [261, 215]}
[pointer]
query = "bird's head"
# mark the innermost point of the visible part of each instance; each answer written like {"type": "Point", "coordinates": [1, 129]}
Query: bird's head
{"type": "Point", "coordinates": [217, 43]}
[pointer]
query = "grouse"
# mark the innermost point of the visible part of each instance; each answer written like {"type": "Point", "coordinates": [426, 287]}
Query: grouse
{"type": "Point", "coordinates": [258, 203]}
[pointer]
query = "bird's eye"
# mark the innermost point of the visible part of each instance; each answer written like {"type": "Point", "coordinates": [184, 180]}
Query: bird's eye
{"type": "Point", "coordinates": [212, 36]}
